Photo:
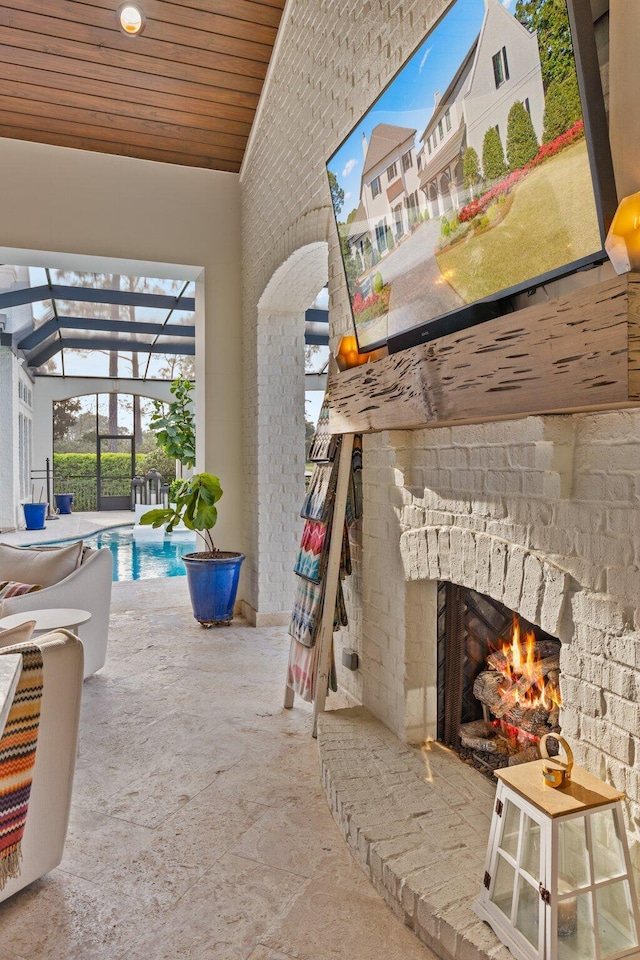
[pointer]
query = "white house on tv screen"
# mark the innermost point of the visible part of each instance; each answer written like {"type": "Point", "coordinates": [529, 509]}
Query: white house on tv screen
{"type": "Point", "coordinates": [501, 67]}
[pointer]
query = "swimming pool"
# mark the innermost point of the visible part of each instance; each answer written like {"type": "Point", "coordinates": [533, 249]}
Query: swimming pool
{"type": "Point", "coordinates": [141, 559]}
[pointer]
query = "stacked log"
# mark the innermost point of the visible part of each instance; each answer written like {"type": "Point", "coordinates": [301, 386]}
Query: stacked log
{"type": "Point", "coordinates": [504, 692]}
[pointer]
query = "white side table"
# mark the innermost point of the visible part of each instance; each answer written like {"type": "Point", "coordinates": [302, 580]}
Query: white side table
{"type": "Point", "coordinates": [56, 618]}
{"type": "Point", "coordinates": [10, 670]}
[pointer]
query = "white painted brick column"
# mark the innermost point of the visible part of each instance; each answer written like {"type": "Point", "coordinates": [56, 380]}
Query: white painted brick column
{"type": "Point", "coordinates": [275, 433]}
{"type": "Point", "coordinates": [9, 467]}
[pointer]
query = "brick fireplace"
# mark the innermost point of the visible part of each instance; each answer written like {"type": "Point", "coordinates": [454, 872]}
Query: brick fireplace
{"type": "Point", "coordinates": [498, 681]}
{"type": "Point", "coordinates": [539, 514]}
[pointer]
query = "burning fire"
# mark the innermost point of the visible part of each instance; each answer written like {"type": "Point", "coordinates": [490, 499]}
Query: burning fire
{"type": "Point", "coordinates": [521, 668]}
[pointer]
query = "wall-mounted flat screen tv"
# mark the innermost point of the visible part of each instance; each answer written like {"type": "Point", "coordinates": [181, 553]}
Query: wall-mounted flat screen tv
{"type": "Point", "coordinates": [483, 170]}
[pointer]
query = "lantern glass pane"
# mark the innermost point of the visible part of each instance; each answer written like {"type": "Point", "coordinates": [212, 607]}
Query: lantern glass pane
{"type": "Point", "coordinates": [528, 912]}
{"type": "Point", "coordinates": [510, 829]}
{"type": "Point", "coordinates": [616, 925]}
{"type": "Point", "coordinates": [530, 856]}
{"type": "Point", "coordinates": [573, 859]}
{"type": "Point", "coordinates": [502, 894]}
{"type": "Point", "coordinates": [576, 938]}
{"type": "Point", "coordinates": [608, 859]}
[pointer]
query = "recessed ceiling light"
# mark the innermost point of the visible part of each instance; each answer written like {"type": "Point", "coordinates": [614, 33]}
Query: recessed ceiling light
{"type": "Point", "coordinates": [131, 19]}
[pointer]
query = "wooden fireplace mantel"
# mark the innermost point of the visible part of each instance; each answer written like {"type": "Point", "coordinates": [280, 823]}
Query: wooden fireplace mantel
{"type": "Point", "coordinates": [578, 352]}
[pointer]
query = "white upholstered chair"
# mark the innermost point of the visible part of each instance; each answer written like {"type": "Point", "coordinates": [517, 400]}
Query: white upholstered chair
{"type": "Point", "coordinates": [50, 800]}
{"type": "Point", "coordinates": [87, 587]}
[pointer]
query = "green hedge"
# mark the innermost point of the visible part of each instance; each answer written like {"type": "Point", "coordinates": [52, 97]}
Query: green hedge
{"type": "Point", "coordinates": [76, 473]}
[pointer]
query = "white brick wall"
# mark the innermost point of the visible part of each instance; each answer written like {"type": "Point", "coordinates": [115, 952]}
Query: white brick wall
{"type": "Point", "coordinates": [557, 538]}
{"type": "Point", "coordinates": [548, 493]}
{"type": "Point", "coordinates": [274, 431]}
{"type": "Point", "coordinates": [8, 478]}
{"type": "Point", "coordinates": [11, 495]}
{"type": "Point", "coordinates": [330, 66]}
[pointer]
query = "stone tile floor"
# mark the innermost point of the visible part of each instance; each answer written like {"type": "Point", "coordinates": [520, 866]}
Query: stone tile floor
{"type": "Point", "coordinates": [199, 827]}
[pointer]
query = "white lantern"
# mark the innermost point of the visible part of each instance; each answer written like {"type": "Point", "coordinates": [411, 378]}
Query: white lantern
{"type": "Point", "coordinates": [558, 882]}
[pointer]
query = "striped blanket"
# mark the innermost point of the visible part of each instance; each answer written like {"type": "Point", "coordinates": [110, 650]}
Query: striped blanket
{"type": "Point", "coordinates": [321, 492]}
{"type": "Point", "coordinates": [354, 495]}
{"type": "Point", "coordinates": [17, 758]}
{"type": "Point", "coordinates": [311, 561]}
{"type": "Point", "coordinates": [324, 445]}
{"type": "Point", "coordinates": [306, 616]}
{"type": "Point", "coordinates": [302, 670]}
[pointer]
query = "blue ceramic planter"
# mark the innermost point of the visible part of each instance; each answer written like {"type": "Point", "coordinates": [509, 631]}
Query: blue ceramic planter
{"type": "Point", "coordinates": [213, 585]}
{"type": "Point", "coordinates": [34, 515]}
{"type": "Point", "coordinates": [64, 502]}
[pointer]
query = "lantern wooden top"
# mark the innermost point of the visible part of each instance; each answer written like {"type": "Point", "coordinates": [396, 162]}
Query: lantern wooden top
{"type": "Point", "coordinates": [582, 792]}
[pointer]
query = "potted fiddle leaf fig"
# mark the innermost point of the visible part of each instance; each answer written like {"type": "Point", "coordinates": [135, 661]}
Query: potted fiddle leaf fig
{"type": "Point", "coordinates": [212, 574]}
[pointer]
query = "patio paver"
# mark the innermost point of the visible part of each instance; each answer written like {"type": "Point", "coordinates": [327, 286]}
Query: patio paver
{"type": "Point", "coordinates": [199, 827]}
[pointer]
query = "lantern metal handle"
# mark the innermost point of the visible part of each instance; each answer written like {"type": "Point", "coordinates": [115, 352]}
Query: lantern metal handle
{"type": "Point", "coordinates": [556, 772]}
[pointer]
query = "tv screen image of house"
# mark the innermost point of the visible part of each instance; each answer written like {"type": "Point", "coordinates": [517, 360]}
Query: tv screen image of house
{"type": "Point", "coordinates": [472, 176]}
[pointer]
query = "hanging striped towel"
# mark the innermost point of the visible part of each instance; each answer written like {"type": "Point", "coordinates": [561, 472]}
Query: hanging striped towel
{"type": "Point", "coordinates": [17, 759]}
{"type": "Point", "coordinates": [312, 555]}
{"type": "Point", "coordinates": [306, 615]}
{"type": "Point", "coordinates": [318, 502]}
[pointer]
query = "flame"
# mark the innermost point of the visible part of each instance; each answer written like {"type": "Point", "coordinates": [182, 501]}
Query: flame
{"type": "Point", "coordinates": [521, 663]}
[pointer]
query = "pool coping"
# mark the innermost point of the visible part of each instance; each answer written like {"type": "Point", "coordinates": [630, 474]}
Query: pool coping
{"type": "Point", "coordinates": [78, 536]}
{"type": "Point", "coordinates": [132, 540]}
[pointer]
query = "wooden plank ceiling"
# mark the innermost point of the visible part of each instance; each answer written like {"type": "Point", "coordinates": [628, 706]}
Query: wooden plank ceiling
{"type": "Point", "coordinates": [184, 91]}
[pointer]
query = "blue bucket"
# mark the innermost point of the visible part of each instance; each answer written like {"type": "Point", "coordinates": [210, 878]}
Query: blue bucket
{"type": "Point", "coordinates": [34, 515]}
{"type": "Point", "coordinates": [213, 585]}
{"type": "Point", "coordinates": [63, 502]}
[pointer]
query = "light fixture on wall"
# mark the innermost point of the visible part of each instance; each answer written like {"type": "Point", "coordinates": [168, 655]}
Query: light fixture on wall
{"type": "Point", "coordinates": [623, 240]}
{"type": "Point", "coordinates": [348, 356]}
{"type": "Point", "coordinates": [131, 19]}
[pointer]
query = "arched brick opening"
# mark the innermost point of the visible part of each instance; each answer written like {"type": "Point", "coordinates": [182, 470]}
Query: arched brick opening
{"type": "Point", "coordinates": [274, 455]}
{"type": "Point", "coordinates": [519, 578]}
{"type": "Point", "coordinates": [522, 580]}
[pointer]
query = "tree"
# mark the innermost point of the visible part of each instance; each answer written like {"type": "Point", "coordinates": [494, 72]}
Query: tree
{"type": "Point", "coordinates": [493, 162]}
{"type": "Point", "coordinates": [177, 366]}
{"type": "Point", "coordinates": [367, 252]}
{"type": "Point", "coordinates": [174, 424]}
{"type": "Point", "coordinates": [65, 416]}
{"type": "Point", "coordinates": [309, 433]}
{"type": "Point", "coordinates": [522, 143]}
{"type": "Point", "coordinates": [471, 172]}
{"type": "Point", "coordinates": [549, 19]}
{"type": "Point", "coordinates": [562, 108]}
{"type": "Point", "coordinates": [351, 267]}
{"type": "Point", "coordinates": [337, 193]}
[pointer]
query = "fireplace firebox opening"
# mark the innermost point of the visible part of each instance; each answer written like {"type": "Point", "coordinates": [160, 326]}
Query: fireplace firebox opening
{"type": "Point", "coordinates": [498, 680]}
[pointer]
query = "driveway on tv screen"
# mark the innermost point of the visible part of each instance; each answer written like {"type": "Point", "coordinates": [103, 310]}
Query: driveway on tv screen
{"type": "Point", "coordinates": [415, 277]}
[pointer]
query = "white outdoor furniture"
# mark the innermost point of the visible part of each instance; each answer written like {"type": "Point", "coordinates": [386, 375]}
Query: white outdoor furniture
{"type": "Point", "coordinates": [90, 583]}
{"type": "Point", "coordinates": [54, 618]}
{"type": "Point", "coordinates": [50, 800]}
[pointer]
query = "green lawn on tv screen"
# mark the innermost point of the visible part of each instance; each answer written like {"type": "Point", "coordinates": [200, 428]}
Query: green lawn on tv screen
{"type": "Point", "coordinates": [554, 204]}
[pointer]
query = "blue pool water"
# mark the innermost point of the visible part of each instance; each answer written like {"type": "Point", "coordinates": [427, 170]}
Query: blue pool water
{"type": "Point", "coordinates": [142, 559]}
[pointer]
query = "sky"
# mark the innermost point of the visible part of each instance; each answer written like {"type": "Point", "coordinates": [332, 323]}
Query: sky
{"type": "Point", "coordinates": [95, 363]}
{"type": "Point", "coordinates": [409, 100]}
{"type": "Point", "coordinates": [313, 402]}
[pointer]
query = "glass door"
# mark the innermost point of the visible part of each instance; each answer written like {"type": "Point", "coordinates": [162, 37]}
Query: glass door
{"type": "Point", "coordinates": [116, 469]}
